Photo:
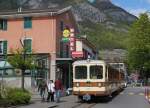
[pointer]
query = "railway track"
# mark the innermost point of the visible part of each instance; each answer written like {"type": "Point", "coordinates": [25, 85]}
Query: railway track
{"type": "Point", "coordinates": [84, 105]}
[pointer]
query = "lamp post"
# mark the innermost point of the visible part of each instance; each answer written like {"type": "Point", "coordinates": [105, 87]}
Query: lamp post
{"type": "Point", "coordinates": [23, 68]}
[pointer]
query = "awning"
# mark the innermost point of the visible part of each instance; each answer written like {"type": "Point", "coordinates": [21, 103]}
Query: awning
{"type": "Point", "coordinates": [5, 64]}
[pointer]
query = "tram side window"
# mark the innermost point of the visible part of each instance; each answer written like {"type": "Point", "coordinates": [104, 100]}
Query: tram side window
{"type": "Point", "coordinates": [81, 72]}
{"type": "Point", "coordinates": [96, 72]}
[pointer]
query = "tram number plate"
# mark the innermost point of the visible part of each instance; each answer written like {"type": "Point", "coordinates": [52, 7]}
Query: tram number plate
{"type": "Point", "coordinates": [87, 97]}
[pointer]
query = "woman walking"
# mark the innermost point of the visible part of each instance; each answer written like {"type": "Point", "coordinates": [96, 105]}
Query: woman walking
{"type": "Point", "coordinates": [51, 90]}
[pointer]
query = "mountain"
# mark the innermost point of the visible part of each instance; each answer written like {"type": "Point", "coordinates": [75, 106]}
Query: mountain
{"type": "Point", "coordinates": [105, 24]}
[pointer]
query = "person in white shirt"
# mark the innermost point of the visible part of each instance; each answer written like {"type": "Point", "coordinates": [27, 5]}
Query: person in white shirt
{"type": "Point", "coordinates": [51, 90]}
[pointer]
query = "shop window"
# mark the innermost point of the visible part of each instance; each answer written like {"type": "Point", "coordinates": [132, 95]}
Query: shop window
{"type": "Point", "coordinates": [27, 22]}
{"type": "Point", "coordinates": [3, 24]}
{"type": "Point", "coordinates": [28, 45]}
{"type": "Point", "coordinates": [3, 47]}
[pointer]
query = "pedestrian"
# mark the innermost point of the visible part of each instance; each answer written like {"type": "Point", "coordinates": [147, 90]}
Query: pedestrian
{"type": "Point", "coordinates": [51, 90]}
{"type": "Point", "coordinates": [58, 88]}
{"type": "Point", "coordinates": [42, 88]}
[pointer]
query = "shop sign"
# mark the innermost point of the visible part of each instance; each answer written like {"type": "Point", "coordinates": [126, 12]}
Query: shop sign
{"type": "Point", "coordinates": [77, 54]}
{"type": "Point", "coordinates": [66, 34]}
{"type": "Point", "coordinates": [72, 40]}
{"type": "Point", "coordinates": [65, 39]}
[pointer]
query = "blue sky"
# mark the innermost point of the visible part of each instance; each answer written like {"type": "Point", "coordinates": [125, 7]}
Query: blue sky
{"type": "Point", "coordinates": [133, 6]}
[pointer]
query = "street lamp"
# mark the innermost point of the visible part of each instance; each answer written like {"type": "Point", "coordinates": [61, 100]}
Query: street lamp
{"type": "Point", "coordinates": [24, 58]}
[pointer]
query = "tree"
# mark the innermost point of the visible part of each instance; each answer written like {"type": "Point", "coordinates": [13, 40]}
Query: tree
{"type": "Point", "coordinates": [22, 61]}
{"type": "Point", "coordinates": [139, 44]}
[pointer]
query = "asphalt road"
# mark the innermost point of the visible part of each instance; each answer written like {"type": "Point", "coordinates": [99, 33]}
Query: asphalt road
{"type": "Point", "coordinates": [129, 98]}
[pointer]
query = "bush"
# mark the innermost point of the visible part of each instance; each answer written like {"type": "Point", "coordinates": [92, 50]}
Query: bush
{"type": "Point", "coordinates": [18, 96]}
{"type": "Point", "coordinates": [4, 102]}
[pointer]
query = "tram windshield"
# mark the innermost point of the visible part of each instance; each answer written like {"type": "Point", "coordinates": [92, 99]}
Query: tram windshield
{"type": "Point", "coordinates": [80, 72]}
{"type": "Point", "coordinates": [96, 72]}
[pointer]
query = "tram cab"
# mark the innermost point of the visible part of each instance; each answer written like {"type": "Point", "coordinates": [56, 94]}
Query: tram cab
{"type": "Point", "coordinates": [93, 78]}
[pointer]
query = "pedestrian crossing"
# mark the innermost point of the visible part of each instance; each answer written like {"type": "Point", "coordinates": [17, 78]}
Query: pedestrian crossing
{"type": "Point", "coordinates": [131, 93]}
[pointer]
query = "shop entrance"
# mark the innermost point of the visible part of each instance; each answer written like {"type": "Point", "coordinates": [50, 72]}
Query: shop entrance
{"type": "Point", "coordinates": [64, 72]}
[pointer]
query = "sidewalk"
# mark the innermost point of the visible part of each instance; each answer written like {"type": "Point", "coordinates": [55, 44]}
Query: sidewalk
{"type": "Point", "coordinates": [37, 103]}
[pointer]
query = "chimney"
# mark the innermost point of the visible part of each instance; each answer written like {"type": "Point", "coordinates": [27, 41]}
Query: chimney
{"type": "Point", "coordinates": [20, 9]}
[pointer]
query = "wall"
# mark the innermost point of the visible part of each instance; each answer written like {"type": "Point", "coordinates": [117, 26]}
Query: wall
{"type": "Point", "coordinates": [42, 33]}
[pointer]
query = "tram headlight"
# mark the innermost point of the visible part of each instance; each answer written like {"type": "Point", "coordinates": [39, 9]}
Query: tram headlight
{"type": "Point", "coordinates": [77, 84]}
{"type": "Point", "coordinates": [99, 84]}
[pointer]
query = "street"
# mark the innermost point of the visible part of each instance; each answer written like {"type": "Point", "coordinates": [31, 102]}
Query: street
{"type": "Point", "coordinates": [129, 98]}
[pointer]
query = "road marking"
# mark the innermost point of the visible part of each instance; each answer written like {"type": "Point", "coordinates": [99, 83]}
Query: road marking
{"type": "Point", "coordinates": [122, 93]}
{"type": "Point", "coordinates": [131, 93]}
{"type": "Point", "coordinates": [141, 94]}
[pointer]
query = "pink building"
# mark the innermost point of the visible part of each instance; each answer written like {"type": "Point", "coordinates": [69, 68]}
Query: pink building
{"type": "Point", "coordinates": [42, 32]}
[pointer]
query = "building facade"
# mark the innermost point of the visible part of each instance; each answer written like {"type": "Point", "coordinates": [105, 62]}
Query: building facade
{"type": "Point", "coordinates": [46, 33]}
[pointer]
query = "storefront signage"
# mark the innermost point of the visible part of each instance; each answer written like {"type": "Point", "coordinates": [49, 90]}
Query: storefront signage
{"type": "Point", "coordinates": [72, 40]}
{"type": "Point", "coordinates": [77, 54]}
{"type": "Point", "coordinates": [66, 33]}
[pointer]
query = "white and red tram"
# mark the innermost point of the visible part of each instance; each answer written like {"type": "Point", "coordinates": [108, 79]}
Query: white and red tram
{"type": "Point", "coordinates": [93, 78]}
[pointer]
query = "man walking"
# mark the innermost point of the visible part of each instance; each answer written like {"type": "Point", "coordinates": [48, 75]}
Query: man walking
{"type": "Point", "coordinates": [58, 88]}
{"type": "Point", "coordinates": [41, 88]}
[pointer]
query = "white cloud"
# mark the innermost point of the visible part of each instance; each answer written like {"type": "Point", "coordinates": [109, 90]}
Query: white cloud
{"type": "Point", "coordinates": [136, 12]}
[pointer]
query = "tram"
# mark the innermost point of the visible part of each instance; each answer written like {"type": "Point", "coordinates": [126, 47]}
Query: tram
{"type": "Point", "coordinates": [95, 78]}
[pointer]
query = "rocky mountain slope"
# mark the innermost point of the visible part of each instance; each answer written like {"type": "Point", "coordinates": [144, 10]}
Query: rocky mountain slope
{"type": "Point", "coordinates": [104, 23]}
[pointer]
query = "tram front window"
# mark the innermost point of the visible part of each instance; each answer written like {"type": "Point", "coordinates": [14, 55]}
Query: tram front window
{"type": "Point", "coordinates": [80, 72]}
{"type": "Point", "coordinates": [96, 72]}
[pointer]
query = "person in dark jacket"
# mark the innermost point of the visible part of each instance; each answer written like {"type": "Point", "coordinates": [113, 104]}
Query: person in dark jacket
{"type": "Point", "coordinates": [42, 88]}
{"type": "Point", "coordinates": [58, 88]}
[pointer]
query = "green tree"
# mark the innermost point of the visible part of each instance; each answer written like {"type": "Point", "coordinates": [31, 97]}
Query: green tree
{"type": "Point", "coordinates": [22, 61]}
{"type": "Point", "coordinates": [139, 45]}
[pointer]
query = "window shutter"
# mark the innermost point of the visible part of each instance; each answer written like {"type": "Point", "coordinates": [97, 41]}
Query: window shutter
{"type": "Point", "coordinates": [5, 24]}
{"type": "Point", "coordinates": [28, 45]}
{"type": "Point", "coordinates": [1, 24]}
{"type": "Point", "coordinates": [27, 22]}
{"type": "Point", "coordinates": [4, 47]}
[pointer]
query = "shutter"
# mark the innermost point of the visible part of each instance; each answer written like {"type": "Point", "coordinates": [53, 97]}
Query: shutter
{"type": "Point", "coordinates": [1, 24]}
{"type": "Point", "coordinates": [27, 22]}
{"type": "Point", "coordinates": [28, 45]}
{"type": "Point", "coordinates": [5, 24]}
{"type": "Point", "coordinates": [4, 47]}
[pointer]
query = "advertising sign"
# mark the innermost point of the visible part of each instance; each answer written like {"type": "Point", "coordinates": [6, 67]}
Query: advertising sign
{"type": "Point", "coordinates": [77, 54]}
{"type": "Point", "coordinates": [66, 35]}
{"type": "Point", "coordinates": [72, 40]}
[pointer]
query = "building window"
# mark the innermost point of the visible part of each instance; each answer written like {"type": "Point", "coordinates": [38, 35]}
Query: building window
{"type": "Point", "coordinates": [28, 45]}
{"type": "Point", "coordinates": [3, 47]}
{"type": "Point", "coordinates": [3, 24]}
{"type": "Point", "coordinates": [27, 22]}
{"type": "Point", "coordinates": [61, 25]}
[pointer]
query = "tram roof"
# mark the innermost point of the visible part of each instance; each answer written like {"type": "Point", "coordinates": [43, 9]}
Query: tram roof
{"type": "Point", "coordinates": [89, 62]}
